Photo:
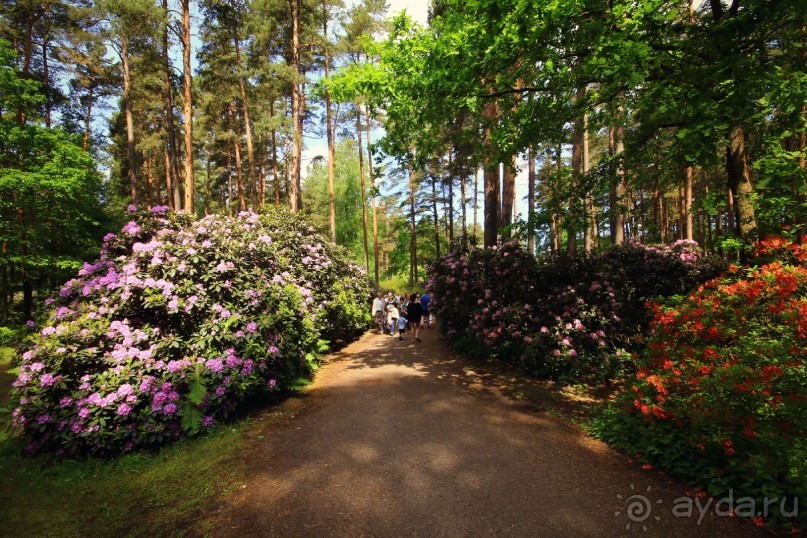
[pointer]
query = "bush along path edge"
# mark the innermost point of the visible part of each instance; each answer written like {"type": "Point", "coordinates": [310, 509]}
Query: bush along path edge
{"type": "Point", "coordinates": [177, 323]}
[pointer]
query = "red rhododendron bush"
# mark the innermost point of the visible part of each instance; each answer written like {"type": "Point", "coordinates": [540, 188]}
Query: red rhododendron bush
{"type": "Point", "coordinates": [720, 396]}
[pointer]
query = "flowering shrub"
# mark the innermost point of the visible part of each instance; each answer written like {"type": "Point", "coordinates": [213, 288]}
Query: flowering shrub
{"type": "Point", "coordinates": [720, 396]}
{"type": "Point", "coordinates": [572, 319]}
{"type": "Point", "coordinates": [179, 321]}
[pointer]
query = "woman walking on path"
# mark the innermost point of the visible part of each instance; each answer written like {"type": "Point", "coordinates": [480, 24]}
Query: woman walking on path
{"type": "Point", "coordinates": [377, 311]}
{"type": "Point", "coordinates": [413, 314]}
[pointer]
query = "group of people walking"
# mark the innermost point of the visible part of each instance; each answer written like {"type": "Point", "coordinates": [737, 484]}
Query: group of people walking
{"type": "Point", "coordinates": [404, 313]}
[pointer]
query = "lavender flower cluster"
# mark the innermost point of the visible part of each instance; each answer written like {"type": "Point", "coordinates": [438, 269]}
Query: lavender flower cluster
{"type": "Point", "coordinates": [178, 322]}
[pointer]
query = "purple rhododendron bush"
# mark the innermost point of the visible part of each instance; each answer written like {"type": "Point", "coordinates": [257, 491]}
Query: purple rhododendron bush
{"type": "Point", "coordinates": [176, 323]}
{"type": "Point", "coordinates": [576, 319]}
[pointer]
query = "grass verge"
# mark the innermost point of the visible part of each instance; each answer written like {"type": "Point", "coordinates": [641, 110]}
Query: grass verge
{"type": "Point", "coordinates": [142, 494]}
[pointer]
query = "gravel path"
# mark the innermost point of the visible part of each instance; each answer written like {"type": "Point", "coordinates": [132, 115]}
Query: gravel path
{"type": "Point", "coordinates": [400, 439]}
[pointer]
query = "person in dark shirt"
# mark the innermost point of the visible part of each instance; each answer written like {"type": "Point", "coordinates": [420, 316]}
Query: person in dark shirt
{"type": "Point", "coordinates": [414, 314]}
{"type": "Point", "coordinates": [425, 301]}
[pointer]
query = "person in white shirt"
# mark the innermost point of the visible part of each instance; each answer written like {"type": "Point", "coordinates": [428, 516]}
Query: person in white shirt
{"type": "Point", "coordinates": [378, 312]}
{"type": "Point", "coordinates": [392, 318]}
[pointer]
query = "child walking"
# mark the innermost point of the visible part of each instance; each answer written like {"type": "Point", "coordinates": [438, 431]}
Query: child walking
{"type": "Point", "coordinates": [401, 327]}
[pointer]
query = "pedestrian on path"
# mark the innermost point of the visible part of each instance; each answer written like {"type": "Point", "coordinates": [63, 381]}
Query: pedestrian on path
{"type": "Point", "coordinates": [392, 318]}
{"type": "Point", "coordinates": [425, 302]}
{"type": "Point", "coordinates": [377, 311]}
{"type": "Point", "coordinates": [414, 314]}
{"type": "Point", "coordinates": [402, 323]}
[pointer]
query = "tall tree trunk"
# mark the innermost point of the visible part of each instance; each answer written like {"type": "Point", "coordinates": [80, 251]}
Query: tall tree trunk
{"type": "Point", "coordinates": [22, 116]}
{"type": "Point", "coordinates": [557, 219]}
{"type": "Point", "coordinates": [85, 143]}
{"type": "Point", "coordinates": [130, 137]}
{"type": "Point", "coordinates": [295, 196]}
{"type": "Point", "coordinates": [207, 185]}
{"type": "Point", "coordinates": [436, 218]}
{"type": "Point", "coordinates": [531, 200]}
{"type": "Point", "coordinates": [739, 179]}
{"type": "Point", "coordinates": [372, 190]}
{"type": "Point", "coordinates": [168, 183]}
{"type": "Point", "coordinates": [450, 213]}
{"type": "Point", "coordinates": [169, 125]}
{"type": "Point", "coordinates": [149, 180]}
{"type": "Point", "coordinates": [363, 192]}
{"type": "Point", "coordinates": [492, 189]}
{"type": "Point", "coordinates": [616, 147]}
{"type": "Point", "coordinates": [329, 134]}
{"type": "Point", "coordinates": [588, 212]}
{"type": "Point", "coordinates": [577, 167]}
{"type": "Point", "coordinates": [275, 172]}
{"type": "Point", "coordinates": [190, 187]}
{"type": "Point", "coordinates": [508, 195]}
{"type": "Point", "coordinates": [413, 244]}
{"type": "Point", "coordinates": [464, 202]}
{"type": "Point", "coordinates": [229, 197]}
{"type": "Point", "coordinates": [46, 82]}
{"type": "Point", "coordinates": [239, 174]}
{"type": "Point", "coordinates": [253, 185]}
{"type": "Point", "coordinates": [688, 217]}
{"type": "Point", "coordinates": [476, 201]}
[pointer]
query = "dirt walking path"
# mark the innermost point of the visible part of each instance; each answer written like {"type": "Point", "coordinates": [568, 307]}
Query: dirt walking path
{"type": "Point", "coordinates": [400, 439]}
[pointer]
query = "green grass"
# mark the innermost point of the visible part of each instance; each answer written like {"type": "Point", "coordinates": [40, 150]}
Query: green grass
{"type": "Point", "coordinates": [399, 285]}
{"type": "Point", "coordinates": [167, 492]}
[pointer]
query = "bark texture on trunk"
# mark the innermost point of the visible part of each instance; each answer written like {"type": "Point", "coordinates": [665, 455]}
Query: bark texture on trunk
{"type": "Point", "coordinates": [492, 188]}
{"type": "Point", "coordinates": [189, 205]}
{"type": "Point", "coordinates": [295, 196]}
{"type": "Point", "coordinates": [130, 137]}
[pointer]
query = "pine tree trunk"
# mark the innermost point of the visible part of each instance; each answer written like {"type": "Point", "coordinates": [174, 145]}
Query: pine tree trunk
{"type": "Point", "coordinates": [149, 181]}
{"type": "Point", "coordinates": [476, 202]}
{"type": "Point", "coordinates": [189, 205]}
{"type": "Point", "coordinates": [739, 179]}
{"type": "Point", "coordinates": [508, 196]}
{"type": "Point", "coordinates": [229, 197]}
{"type": "Point", "coordinates": [275, 171]}
{"type": "Point", "coordinates": [435, 216]}
{"type": "Point", "coordinates": [492, 189]}
{"type": "Point", "coordinates": [363, 193]}
{"type": "Point", "coordinates": [172, 171]}
{"type": "Point", "coordinates": [329, 132]}
{"type": "Point", "coordinates": [577, 167]}
{"type": "Point", "coordinates": [239, 174]}
{"type": "Point", "coordinates": [413, 244]}
{"type": "Point", "coordinates": [130, 137]}
{"type": "Point", "coordinates": [464, 201]}
{"type": "Point", "coordinates": [295, 198]}
{"type": "Point", "coordinates": [450, 213]}
{"type": "Point", "coordinates": [616, 148]}
{"type": "Point", "coordinates": [588, 211]}
{"type": "Point", "coordinates": [253, 183]}
{"type": "Point", "coordinates": [372, 190]}
{"type": "Point", "coordinates": [688, 217]}
{"type": "Point", "coordinates": [531, 200]}
{"type": "Point", "coordinates": [85, 143]}
{"type": "Point", "coordinates": [46, 82]}
{"type": "Point", "coordinates": [207, 186]}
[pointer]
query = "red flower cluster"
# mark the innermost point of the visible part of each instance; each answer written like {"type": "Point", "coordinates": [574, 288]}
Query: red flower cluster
{"type": "Point", "coordinates": [720, 396]}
